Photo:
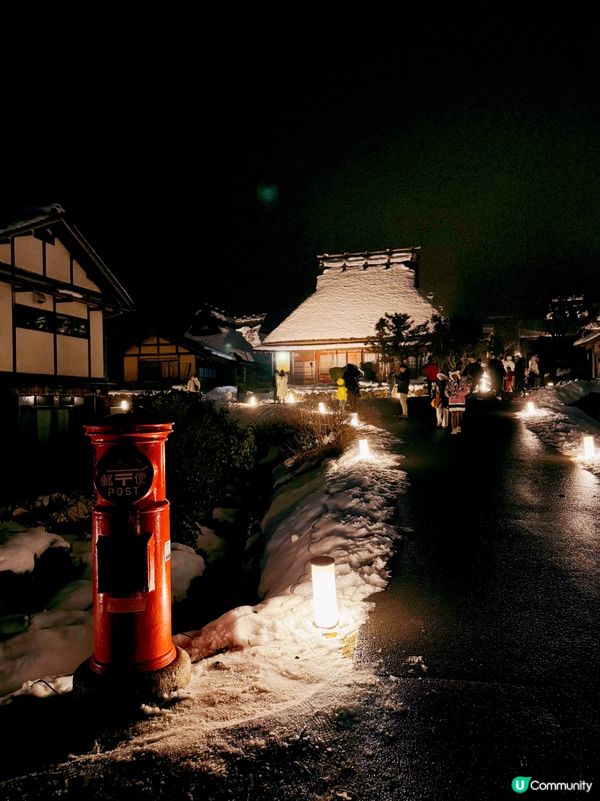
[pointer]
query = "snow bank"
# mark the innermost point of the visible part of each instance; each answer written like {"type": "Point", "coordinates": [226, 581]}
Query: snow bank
{"type": "Point", "coordinates": [561, 425]}
{"type": "Point", "coordinates": [344, 510]}
{"type": "Point", "coordinates": [19, 547]}
{"type": "Point", "coordinates": [222, 394]}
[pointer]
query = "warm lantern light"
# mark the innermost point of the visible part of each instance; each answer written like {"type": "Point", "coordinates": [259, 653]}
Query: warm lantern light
{"type": "Point", "coordinates": [325, 612]}
{"type": "Point", "coordinates": [252, 400]}
{"type": "Point", "coordinates": [363, 448]}
{"type": "Point", "coordinates": [322, 408]}
{"type": "Point", "coordinates": [530, 407]}
{"type": "Point", "coordinates": [290, 398]}
{"type": "Point", "coordinates": [589, 451]}
{"type": "Point", "coordinates": [124, 405]}
{"type": "Point", "coordinates": [485, 384]}
{"type": "Point", "coordinates": [354, 419]}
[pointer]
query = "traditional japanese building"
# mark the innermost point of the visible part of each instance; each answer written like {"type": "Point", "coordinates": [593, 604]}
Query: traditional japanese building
{"type": "Point", "coordinates": [55, 293]}
{"type": "Point", "coordinates": [332, 327]}
{"type": "Point", "coordinates": [589, 340]}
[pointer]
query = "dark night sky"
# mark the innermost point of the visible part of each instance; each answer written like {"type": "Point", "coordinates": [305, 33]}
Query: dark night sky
{"type": "Point", "coordinates": [471, 132]}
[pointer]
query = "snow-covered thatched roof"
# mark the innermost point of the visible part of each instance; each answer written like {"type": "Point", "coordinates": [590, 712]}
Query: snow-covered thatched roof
{"type": "Point", "coordinates": [353, 292]}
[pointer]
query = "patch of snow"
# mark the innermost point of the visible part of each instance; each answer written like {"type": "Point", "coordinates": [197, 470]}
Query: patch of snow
{"type": "Point", "coordinates": [562, 425]}
{"type": "Point", "coordinates": [222, 394]}
{"type": "Point", "coordinates": [19, 548]}
{"type": "Point", "coordinates": [186, 565]}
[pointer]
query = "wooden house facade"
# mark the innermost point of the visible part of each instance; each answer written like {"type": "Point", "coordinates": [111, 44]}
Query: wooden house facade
{"type": "Point", "coordinates": [55, 293]}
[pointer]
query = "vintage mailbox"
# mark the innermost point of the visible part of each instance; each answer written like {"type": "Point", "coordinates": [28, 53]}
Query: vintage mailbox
{"type": "Point", "coordinates": [131, 562]}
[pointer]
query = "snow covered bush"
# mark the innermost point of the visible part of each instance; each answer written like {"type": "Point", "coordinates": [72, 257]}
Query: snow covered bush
{"type": "Point", "coordinates": [304, 433]}
{"type": "Point", "coordinates": [206, 451]}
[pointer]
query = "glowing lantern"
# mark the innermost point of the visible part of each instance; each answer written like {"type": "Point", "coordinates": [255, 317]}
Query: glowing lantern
{"type": "Point", "coordinates": [354, 419]}
{"type": "Point", "coordinates": [485, 384]}
{"type": "Point", "coordinates": [322, 408]}
{"type": "Point", "coordinates": [589, 450]}
{"type": "Point", "coordinates": [290, 398]}
{"type": "Point", "coordinates": [252, 400]}
{"type": "Point", "coordinates": [530, 408]}
{"type": "Point", "coordinates": [325, 612]}
{"type": "Point", "coordinates": [124, 405]}
{"type": "Point", "coordinates": [363, 448]}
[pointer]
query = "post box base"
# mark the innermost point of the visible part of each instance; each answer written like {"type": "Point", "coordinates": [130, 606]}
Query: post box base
{"type": "Point", "coordinates": [128, 686]}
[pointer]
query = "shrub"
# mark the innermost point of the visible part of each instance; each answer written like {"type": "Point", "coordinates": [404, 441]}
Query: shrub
{"type": "Point", "coordinates": [301, 433]}
{"type": "Point", "coordinates": [335, 373]}
{"type": "Point", "coordinates": [370, 371]}
{"type": "Point", "coordinates": [206, 451]}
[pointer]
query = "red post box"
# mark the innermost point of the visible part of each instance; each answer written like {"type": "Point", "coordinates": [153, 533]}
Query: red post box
{"type": "Point", "coordinates": [133, 650]}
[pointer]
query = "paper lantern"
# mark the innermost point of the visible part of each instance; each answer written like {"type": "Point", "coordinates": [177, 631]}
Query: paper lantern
{"type": "Point", "coordinates": [325, 611]}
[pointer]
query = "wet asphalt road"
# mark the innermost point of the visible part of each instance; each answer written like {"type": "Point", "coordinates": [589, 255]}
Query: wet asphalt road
{"type": "Point", "coordinates": [497, 589]}
{"type": "Point", "coordinates": [485, 645]}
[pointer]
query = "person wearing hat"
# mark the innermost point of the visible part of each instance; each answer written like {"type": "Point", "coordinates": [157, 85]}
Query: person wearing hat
{"type": "Point", "coordinates": [457, 390]}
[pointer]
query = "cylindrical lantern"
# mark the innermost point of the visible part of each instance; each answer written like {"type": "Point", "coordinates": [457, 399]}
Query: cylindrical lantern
{"type": "Point", "coordinates": [252, 400]}
{"type": "Point", "coordinates": [322, 408]}
{"type": "Point", "coordinates": [124, 405]}
{"type": "Point", "coordinates": [363, 448]}
{"type": "Point", "coordinates": [530, 407]}
{"type": "Point", "coordinates": [354, 419]}
{"type": "Point", "coordinates": [589, 450]}
{"type": "Point", "coordinates": [289, 398]}
{"type": "Point", "coordinates": [325, 612]}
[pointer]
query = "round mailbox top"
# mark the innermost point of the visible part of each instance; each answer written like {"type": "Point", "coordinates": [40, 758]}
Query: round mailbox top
{"type": "Point", "coordinates": [129, 423]}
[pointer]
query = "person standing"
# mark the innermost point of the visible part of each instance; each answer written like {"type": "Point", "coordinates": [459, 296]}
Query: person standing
{"type": "Point", "coordinates": [441, 400]}
{"type": "Point", "coordinates": [282, 386]}
{"type": "Point", "coordinates": [341, 394]}
{"type": "Point", "coordinates": [534, 371]}
{"type": "Point", "coordinates": [403, 383]}
{"type": "Point", "coordinates": [457, 390]}
{"type": "Point", "coordinates": [431, 370]}
{"type": "Point", "coordinates": [350, 376]}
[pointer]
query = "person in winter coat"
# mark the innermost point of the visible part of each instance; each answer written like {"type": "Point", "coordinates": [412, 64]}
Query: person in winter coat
{"type": "Point", "coordinates": [282, 386]}
{"type": "Point", "coordinates": [341, 393]}
{"type": "Point", "coordinates": [351, 375]}
{"type": "Point", "coordinates": [431, 370]}
{"type": "Point", "coordinates": [402, 384]}
{"type": "Point", "coordinates": [519, 379]}
{"type": "Point", "coordinates": [534, 371]}
{"type": "Point", "coordinates": [440, 399]}
{"type": "Point", "coordinates": [457, 390]}
{"type": "Point", "coordinates": [496, 374]}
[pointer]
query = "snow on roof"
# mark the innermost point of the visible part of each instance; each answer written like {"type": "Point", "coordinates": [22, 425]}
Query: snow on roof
{"type": "Point", "coordinates": [14, 218]}
{"type": "Point", "coordinates": [352, 294]}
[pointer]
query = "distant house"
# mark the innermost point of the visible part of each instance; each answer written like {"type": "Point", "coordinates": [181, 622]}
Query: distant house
{"type": "Point", "coordinates": [55, 292]}
{"type": "Point", "coordinates": [332, 327]}
{"type": "Point", "coordinates": [163, 361]}
{"type": "Point", "coordinates": [236, 338]}
{"type": "Point", "coordinates": [590, 341]}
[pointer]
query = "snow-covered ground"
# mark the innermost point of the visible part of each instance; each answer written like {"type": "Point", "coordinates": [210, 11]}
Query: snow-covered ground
{"type": "Point", "coordinates": [556, 422]}
{"type": "Point", "coordinates": [269, 660]}
{"type": "Point", "coordinates": [254, 661]}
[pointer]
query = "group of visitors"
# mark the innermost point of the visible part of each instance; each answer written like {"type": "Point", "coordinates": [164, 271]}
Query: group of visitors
{"type": "Point", "coordinates": [448, 391]}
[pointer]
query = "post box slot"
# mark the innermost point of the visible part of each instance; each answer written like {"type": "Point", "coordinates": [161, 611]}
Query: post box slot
{"type": "Point", "coordinates": [123, 564]}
